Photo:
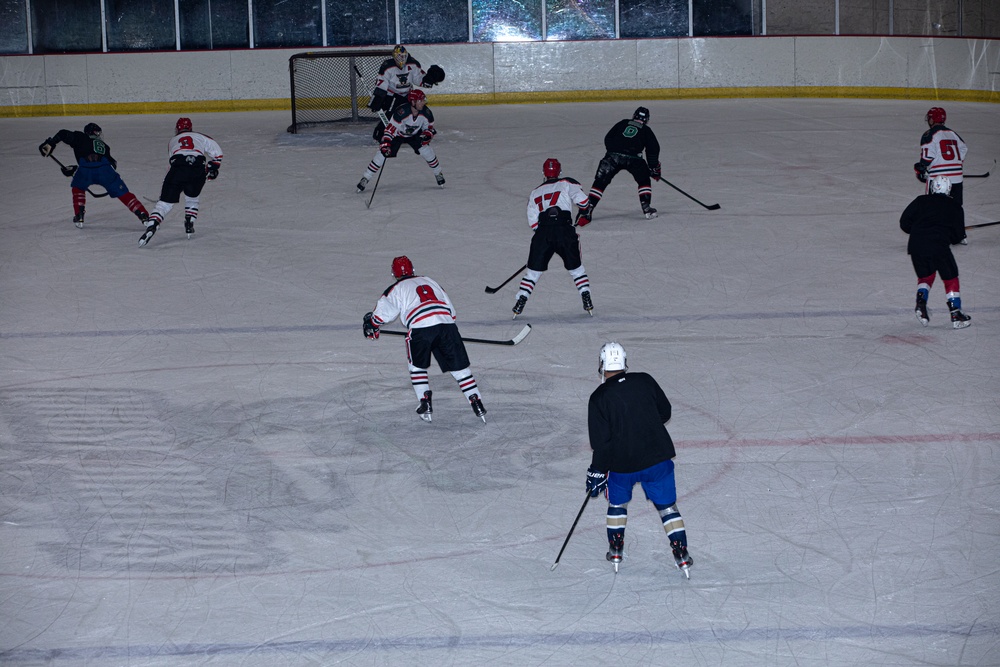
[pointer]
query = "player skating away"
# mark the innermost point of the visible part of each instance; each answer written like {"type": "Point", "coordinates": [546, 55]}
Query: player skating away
{"type": "Point", "coordinates": [397, 76]}
{"type": "Point", "coordinates": [942, 153]}
{"type": "Point", "coordinates": [411, 124]}
{"type": "Point", "coordinates": [95, 166]}
{"type": "Point", "coordinates": [194, 158]}
{"type": "Point", "coordinates": [625, 420]}
{"type": "Point", "coordinates": [935, 222]}
{"type": "Point", "coordinates": [550, 216]}
{"type": "Point", "coordinates": [423, 307]}
{"type": "Point", "coordinates": [625, 144]}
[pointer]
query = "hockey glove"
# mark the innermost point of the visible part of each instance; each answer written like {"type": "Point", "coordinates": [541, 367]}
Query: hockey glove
{"type": "Point", "coordinates": [655, 171]}
{"type": "Point", "coordinates": [47, 147]}
{"type": "Point", "coordinates": [434, 76]}
{"type": "Point", "coordinates": [212, 172]}
{"type": "Point", "coordinates": [921, 171]}
{"type": "Point", "coordinates": [377, 100]}
{"type": "Point", "coordinates": [369, 327]}
{"type": "Point", "coordinates": [385, 148]}
{"type": "Point", "coordinates": [425, 137]}
{"type": "Point", "coordinates": [583, 216]}
{"type": "Point", "coordinates": [597, 481]}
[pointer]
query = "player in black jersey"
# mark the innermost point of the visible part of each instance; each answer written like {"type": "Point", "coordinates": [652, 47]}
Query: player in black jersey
{"type": "Point", "coordinates": [625, 144]}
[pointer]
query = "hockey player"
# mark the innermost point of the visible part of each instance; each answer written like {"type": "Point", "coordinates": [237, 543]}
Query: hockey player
{"type": "Point", "coordinates": [934, 222]}
{"type": "Point", "coordinates": [424, 308]}
{"type": "Point", "coordinates": [942, 153]}
{"type": "Point", "coordinates": [397, 76]}
{"type": "Point", "coordinates": [625, 421]}
{"type": "Point", "coordinates": [625, 143]}
{"type": "Point", "coordinates": [550, 216]}
{"type": "Point", "coordinates": [194, 158]}
{"type": "Point", "coordinates": [411, 124]}
{"type": "Point", "coordinates": [95, 166]}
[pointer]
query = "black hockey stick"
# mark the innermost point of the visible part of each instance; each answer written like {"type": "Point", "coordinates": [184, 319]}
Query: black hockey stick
{"type": "Point", "coordinates": [572, 528]}
{"type": "Point", "coordinates": [68, 173]}
{"type": "Point", "coordinates": [986, 175]}
{"type": "Point", "coordinates": [983, 224]}
{"type": "Point", "coordinates": [513, 341]}
{"type": "Point", "coordinates": [494, 290]}
{"type": "Point", "coordinates": [385, 121]}
{"type": "Point", "coordinates": [713, 207]}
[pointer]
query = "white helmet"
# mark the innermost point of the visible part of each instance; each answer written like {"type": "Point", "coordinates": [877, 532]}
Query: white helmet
{"type": "Point", "coordinates": [941, 185]}
{"type": "Point", "coordinates": [612, 358]}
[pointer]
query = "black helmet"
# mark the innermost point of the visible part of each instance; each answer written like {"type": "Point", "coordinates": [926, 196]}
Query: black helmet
{"type": "Point", "coordinates": [641, 114]}
{"type": "Point", "coordinates": [92, 130]}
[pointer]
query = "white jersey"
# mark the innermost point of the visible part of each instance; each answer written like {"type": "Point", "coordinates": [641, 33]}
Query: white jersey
{"type": "Point", "coordinates": [195, 143]}
{"type": "Point", "coordinates": [405, 124]}
{"type": "Point", "coordinates": [943, 151]}
{"type": "Point", "coordinates": [417, 301]}
{"type": "Point", "coordinates": [399, 81]}
{"type": "Point", "coordinates": [561, 193]}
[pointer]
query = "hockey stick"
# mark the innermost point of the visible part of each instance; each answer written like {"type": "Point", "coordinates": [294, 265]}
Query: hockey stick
{"type": "Point", "coordinates": [713, 207]}
{"type": "Point", "coordinates": [385, 121]}
{"type": "Point", "coordinates": [986, 175]}
{"type": "Point", "coordinates": [68, 173]}
{"type": "Point", "coordinates": [494, 290]}
{"type": "Point", "coordinates": [983, 224]}
{"type": "Point", "coordinates": [586, 499]}
{"type": "Point", "coordinates": [513, 341]}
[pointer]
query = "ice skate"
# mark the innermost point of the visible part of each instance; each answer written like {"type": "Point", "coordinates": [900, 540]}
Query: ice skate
{"type": "Point", "coordinates": [477, 407]}
{"type": "Point", "coordinates": [921, 309]}
{"type": "Point", "coordinates": [188, 226]}
{"type": "Point", "coordinates": [588, 305]}
{"type": "Point", "coordinates": [425, 409]}
{"type": "Point", "coordinates": [959, 320]}
{"type": "Point", "coordinates": [964, 241]}
{"type": "Point", "coordinates": [648, 211]}
{"type": "Point", "coordinates": [616, 548]}
{"type": "Point", "coordinates": [362, 183]}
{"type": "Point", "coordinates": [519, 306]}
{"type": "Point", "coordinates": [681, 558]}
{"type": "Point", "coordinates": [78, 218]}
{"type": "Point", "coordinates": [148, 234]}
{"type": "Point", "coordinates": [440, 179]}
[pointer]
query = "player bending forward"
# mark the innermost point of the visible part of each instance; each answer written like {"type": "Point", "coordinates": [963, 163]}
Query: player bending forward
{"type": "Point", "coordinates": [425, 310]}
{"type": "Point", "coordinates": [194, 158]}
{"type": "Point", "coordinates": [411, 124]}
{"type": "Point", "coordinates": [625, 419]}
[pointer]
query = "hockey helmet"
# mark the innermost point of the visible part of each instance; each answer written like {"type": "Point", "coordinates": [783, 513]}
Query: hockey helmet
{"type": "Point", "coordinates": [402, 267]}
{"type": "Point", "coordinates": [940, 185]}
{"type": "Point", "coordinates": [641, 114]}
{"type": "Point", "coordinates": [416, 95]}
{"type": "Point", "coordinates": [400, 55]}
{"type": "Point", "coordinates": [935, 116]}
{"type": "Point", "coordinates": [552, 168]}
{"type": "Point", "coordinates": [612, 358]}
{"type": "Point", "coordinates": [92, 130]}
{"type": "Point", "coordinates": [183, 125]}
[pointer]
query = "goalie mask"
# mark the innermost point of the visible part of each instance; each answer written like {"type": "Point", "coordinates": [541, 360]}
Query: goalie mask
{"type": "Point", "coordinates": [402, 267]}
{"type": "Point", "coordinates": [400, 55]}
{"type": "Point", "coordinates": [940, 185]}
{"type": "Point", "coordinates": [92, 130]}
{"type": "Point", "coordinates": [552, 168]}
{"type": "Point", "coordinates": [183, 125]}
{"type": "Point", "coordinates": [612, 359]}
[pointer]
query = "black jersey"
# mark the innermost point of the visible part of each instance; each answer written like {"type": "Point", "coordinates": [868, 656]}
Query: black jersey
{"type": "Point", "coordinates": [625, 419]}
{"type": "Point", "coordinates": [933, 222]}
{"type": "Point", "coordinates": [85, 148]}
{"type": "Point", "coordinates": [631, 137]}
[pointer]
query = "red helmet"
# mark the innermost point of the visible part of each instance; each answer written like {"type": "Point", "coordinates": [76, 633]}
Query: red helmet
{"type": "Point", "coordinates": [552, 168]}
{"type": "Point", "coordinates": [935, 116]}
{"type": "Point", "coordinates": [402, 267]}
{"type": "Point", "coordinates": [183, 125]}
{"type": "Point", "coordinates": [416, 94]}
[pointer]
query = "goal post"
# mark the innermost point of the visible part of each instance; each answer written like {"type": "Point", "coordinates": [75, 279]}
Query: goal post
{"type": "Point", "coordinates": [333, 86]}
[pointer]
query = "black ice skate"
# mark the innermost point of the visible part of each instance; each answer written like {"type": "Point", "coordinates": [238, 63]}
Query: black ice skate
{"type": "Point", "coordinates": [648, 211]}
{"type": "Point", "coordinates": [519, 306]}
{"type": "Point", "coordinates": [477, 407]}
{"type": "Point", "coordinates": [921, 309]}
{"type": "Point", "coordinates": [681, 558]}
{"type": "Point", "coordinates": [440, 180]}
{"type": "Point", "coordinates": [959, 320]}
{"type": "Point", "coordinates": [188, 225]}
{"type": "Point", "coordinates": [78, 218]}
{"type": "Point", "coordinates": [425, 409]}
{"type": "Point", "coordinates": [588, 305]}
{"type": "Point", "coordinates": [362, 183]}
{"type": "Point", "coordinates": [143, 216]}
{"type": "Point", "coordinates": [616, 549]}
{"type": "Point", "coordinates": [148, 234]}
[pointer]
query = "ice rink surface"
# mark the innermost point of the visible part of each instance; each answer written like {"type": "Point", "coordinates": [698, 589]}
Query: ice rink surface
{"type": "Point", "coordinates": [204, 462]}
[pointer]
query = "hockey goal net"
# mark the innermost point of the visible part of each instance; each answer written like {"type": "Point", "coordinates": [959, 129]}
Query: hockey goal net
{"type": "Point", "coordinates": [333, 87]}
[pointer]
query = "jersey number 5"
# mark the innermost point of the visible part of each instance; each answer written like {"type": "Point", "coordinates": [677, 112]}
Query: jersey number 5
{"type": "Point", "coordinates": [949, 149]}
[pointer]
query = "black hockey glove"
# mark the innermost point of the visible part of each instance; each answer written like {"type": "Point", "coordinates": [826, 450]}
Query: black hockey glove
{"type": "Point", "coordinates": [47, 147]}
{"type": "Point", "coordinates": [425, 137]}
{"type": "Point", "coordinates": [921, 171]}
{"type": "Point", "coordinates": [655, 171]}
{"type": "Point", "coordinates": [434, 76]}
{"type": "Point", "coordinates": [597, 481]}
{"type": "Point", "coordinates": [377, 100]}
{"type": "Point", "coordinates": [369, 327]}
{"type": "Point", "coordinates": [583, 216]}
{"type": "Point", "coordinates": [212, 172]}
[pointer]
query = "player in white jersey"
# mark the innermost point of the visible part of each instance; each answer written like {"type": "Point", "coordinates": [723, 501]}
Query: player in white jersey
{"type": "Point", "coordinates": [194, 158]}
{"type": "Point", "coordinates": [550, 216]}
{"type": "Point", "coordinates": [397, 76]}
{"type": "Point", "coordinates": [411, 124]}
{"type": "Point", "coordinates": [424, 308]}
{"type": "Point", "coordinates": [942, 153]}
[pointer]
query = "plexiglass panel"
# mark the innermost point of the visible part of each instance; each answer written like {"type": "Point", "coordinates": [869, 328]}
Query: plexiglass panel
{"type": "Point", "coordinates": [66, 26]}
{"type": "Point", "coordinates": [214, 24]}
{"type": "Point", "coordinates": [580, 19]}
{"type": "Point", "coordinates": [360, 22]}
{"type": "Point", "coordinates": [13, 27]}
{"type": "Point", "coordinates": [722, 17]}
{"type": "Point", "coordinates": [288, 23]}
{"type": "Point", "coordinates": [433, 21]}
{"type": "Point", "coordinates": [506, 20]}
{"type": "Point", "coordinates": [140, 25]}
{"type": "Point", "coordinates": [653, 18]}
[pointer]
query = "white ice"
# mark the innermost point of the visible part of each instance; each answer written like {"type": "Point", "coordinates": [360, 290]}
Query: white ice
{"type": "Point", "coordinates": [204, 462]}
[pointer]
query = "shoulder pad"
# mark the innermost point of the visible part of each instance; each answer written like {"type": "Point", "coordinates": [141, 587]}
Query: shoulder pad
{"type": "Point", "coordinates": [386, 64]}
{"type": "Point", "coordinates": [428, 113]}
{"type": "Point", "coordinates": [571, 180]}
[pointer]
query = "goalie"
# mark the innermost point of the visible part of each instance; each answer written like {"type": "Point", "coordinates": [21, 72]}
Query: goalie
{"type": "Point", "coordinates": [397, 76]}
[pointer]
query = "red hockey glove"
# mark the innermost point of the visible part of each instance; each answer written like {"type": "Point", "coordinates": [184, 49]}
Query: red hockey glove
{"type": "Point", "coordinates": [385, 148]}
{"type": "Point", "coordinates": [921, 171]}
{"type": "Point", "coordinates": [425, 138]}
{"type": "Point", "coordinates": [583, 216]}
